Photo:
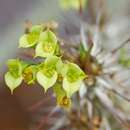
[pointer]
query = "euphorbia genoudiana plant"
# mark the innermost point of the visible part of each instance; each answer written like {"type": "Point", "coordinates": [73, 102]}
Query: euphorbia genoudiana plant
{"type": "Point", "coordinates": [98, 93]}
{"type": "Point", "coordinates": [52, 72]}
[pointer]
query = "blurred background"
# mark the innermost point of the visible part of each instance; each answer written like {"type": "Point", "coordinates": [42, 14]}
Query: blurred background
{"type": "Point", "coordinates": [14, 113]}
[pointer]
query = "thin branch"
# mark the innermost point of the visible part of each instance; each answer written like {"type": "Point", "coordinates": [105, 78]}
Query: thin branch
{"type": "Point", "coordinates": [39, 104]}
{"type": "Point", "coordinates": [46, 118]}
{"type": "Point", "coordinates": [106, 84]}
{"type": "Point", "coordinates": [122, 45]}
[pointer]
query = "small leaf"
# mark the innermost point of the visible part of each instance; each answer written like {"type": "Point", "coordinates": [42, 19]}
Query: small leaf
{"type": "Point", "coordinates": [45, 81]}
{"type": "Point", "coordinates": [12, 82]}
{"type": "Point", "coordinates": [82, 52]}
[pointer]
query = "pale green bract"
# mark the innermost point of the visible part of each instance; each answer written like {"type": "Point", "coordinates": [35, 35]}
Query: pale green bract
{"type": "Point", "coordinates": [32, 38]}
{"type": "Point", "coordinates": [15, 67]}
{"type": "Point", "coordinates": [71, 87]}
{"type": "Point", "coordinates": [47, 75]}
{"type": "Point", "coordinates": [74, 73]}
{"type": "Point", "coordinates": [61, 68]}
{"type": "Point", "coordinates": [47, 44]}
{"type": "Point", "coordinates": [13, 77]}
{"type": "Point", "coordinates": [12, 82]}
{"type": "Point", "coordinates": [46, 82]}
{"type": "Point", "coordinates": [52, 62]}
{"type": "Point", "coordinates": [73, 79]}
{"type": "Point", "coordinates": [48, 36]}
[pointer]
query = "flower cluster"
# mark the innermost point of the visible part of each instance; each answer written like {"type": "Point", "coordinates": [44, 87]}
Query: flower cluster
{"type": "Point", "coordinates": [65, 77]}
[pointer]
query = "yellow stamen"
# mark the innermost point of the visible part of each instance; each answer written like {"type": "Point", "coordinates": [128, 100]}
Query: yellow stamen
{"type": "Point", "coordinates": [48, 48]}
{"type": "Point", "coordinates": [28, 75]}
{"type": "Point", "coordinates": [65, 102]}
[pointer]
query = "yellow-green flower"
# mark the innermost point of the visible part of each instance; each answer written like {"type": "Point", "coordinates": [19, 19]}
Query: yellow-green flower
{"type": "Point", "coordinates": [32, 38]}
{"type": "Point", "coordinates": [47, 44]}
{"type": "Point", "coordinates": [13, 77]}
{"type": "Point", "coordinates": [65, 102]}
{"type": "Point", "coordinates": [15, 67]}
{"type": "Point", "coordinates": [73, 79]}
{"type": "Point", "coordinates": [62, 99]}
{"type": "Point", "coordinates": [47, 75]}
{"type": "Point", "coordinates": [29, 74]}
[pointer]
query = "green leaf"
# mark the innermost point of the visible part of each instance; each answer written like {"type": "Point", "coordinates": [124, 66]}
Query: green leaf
{"type": "Point", "coordinates": [71, 87]}
{"type": "Point", "coordinates": [45, 81]}
{"type": "Point", "coordinates": [12, 82]}
{"type": "Point", "coordinates": [47, 45]}
{"type": "Point", "coordinates": [82, 52]}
